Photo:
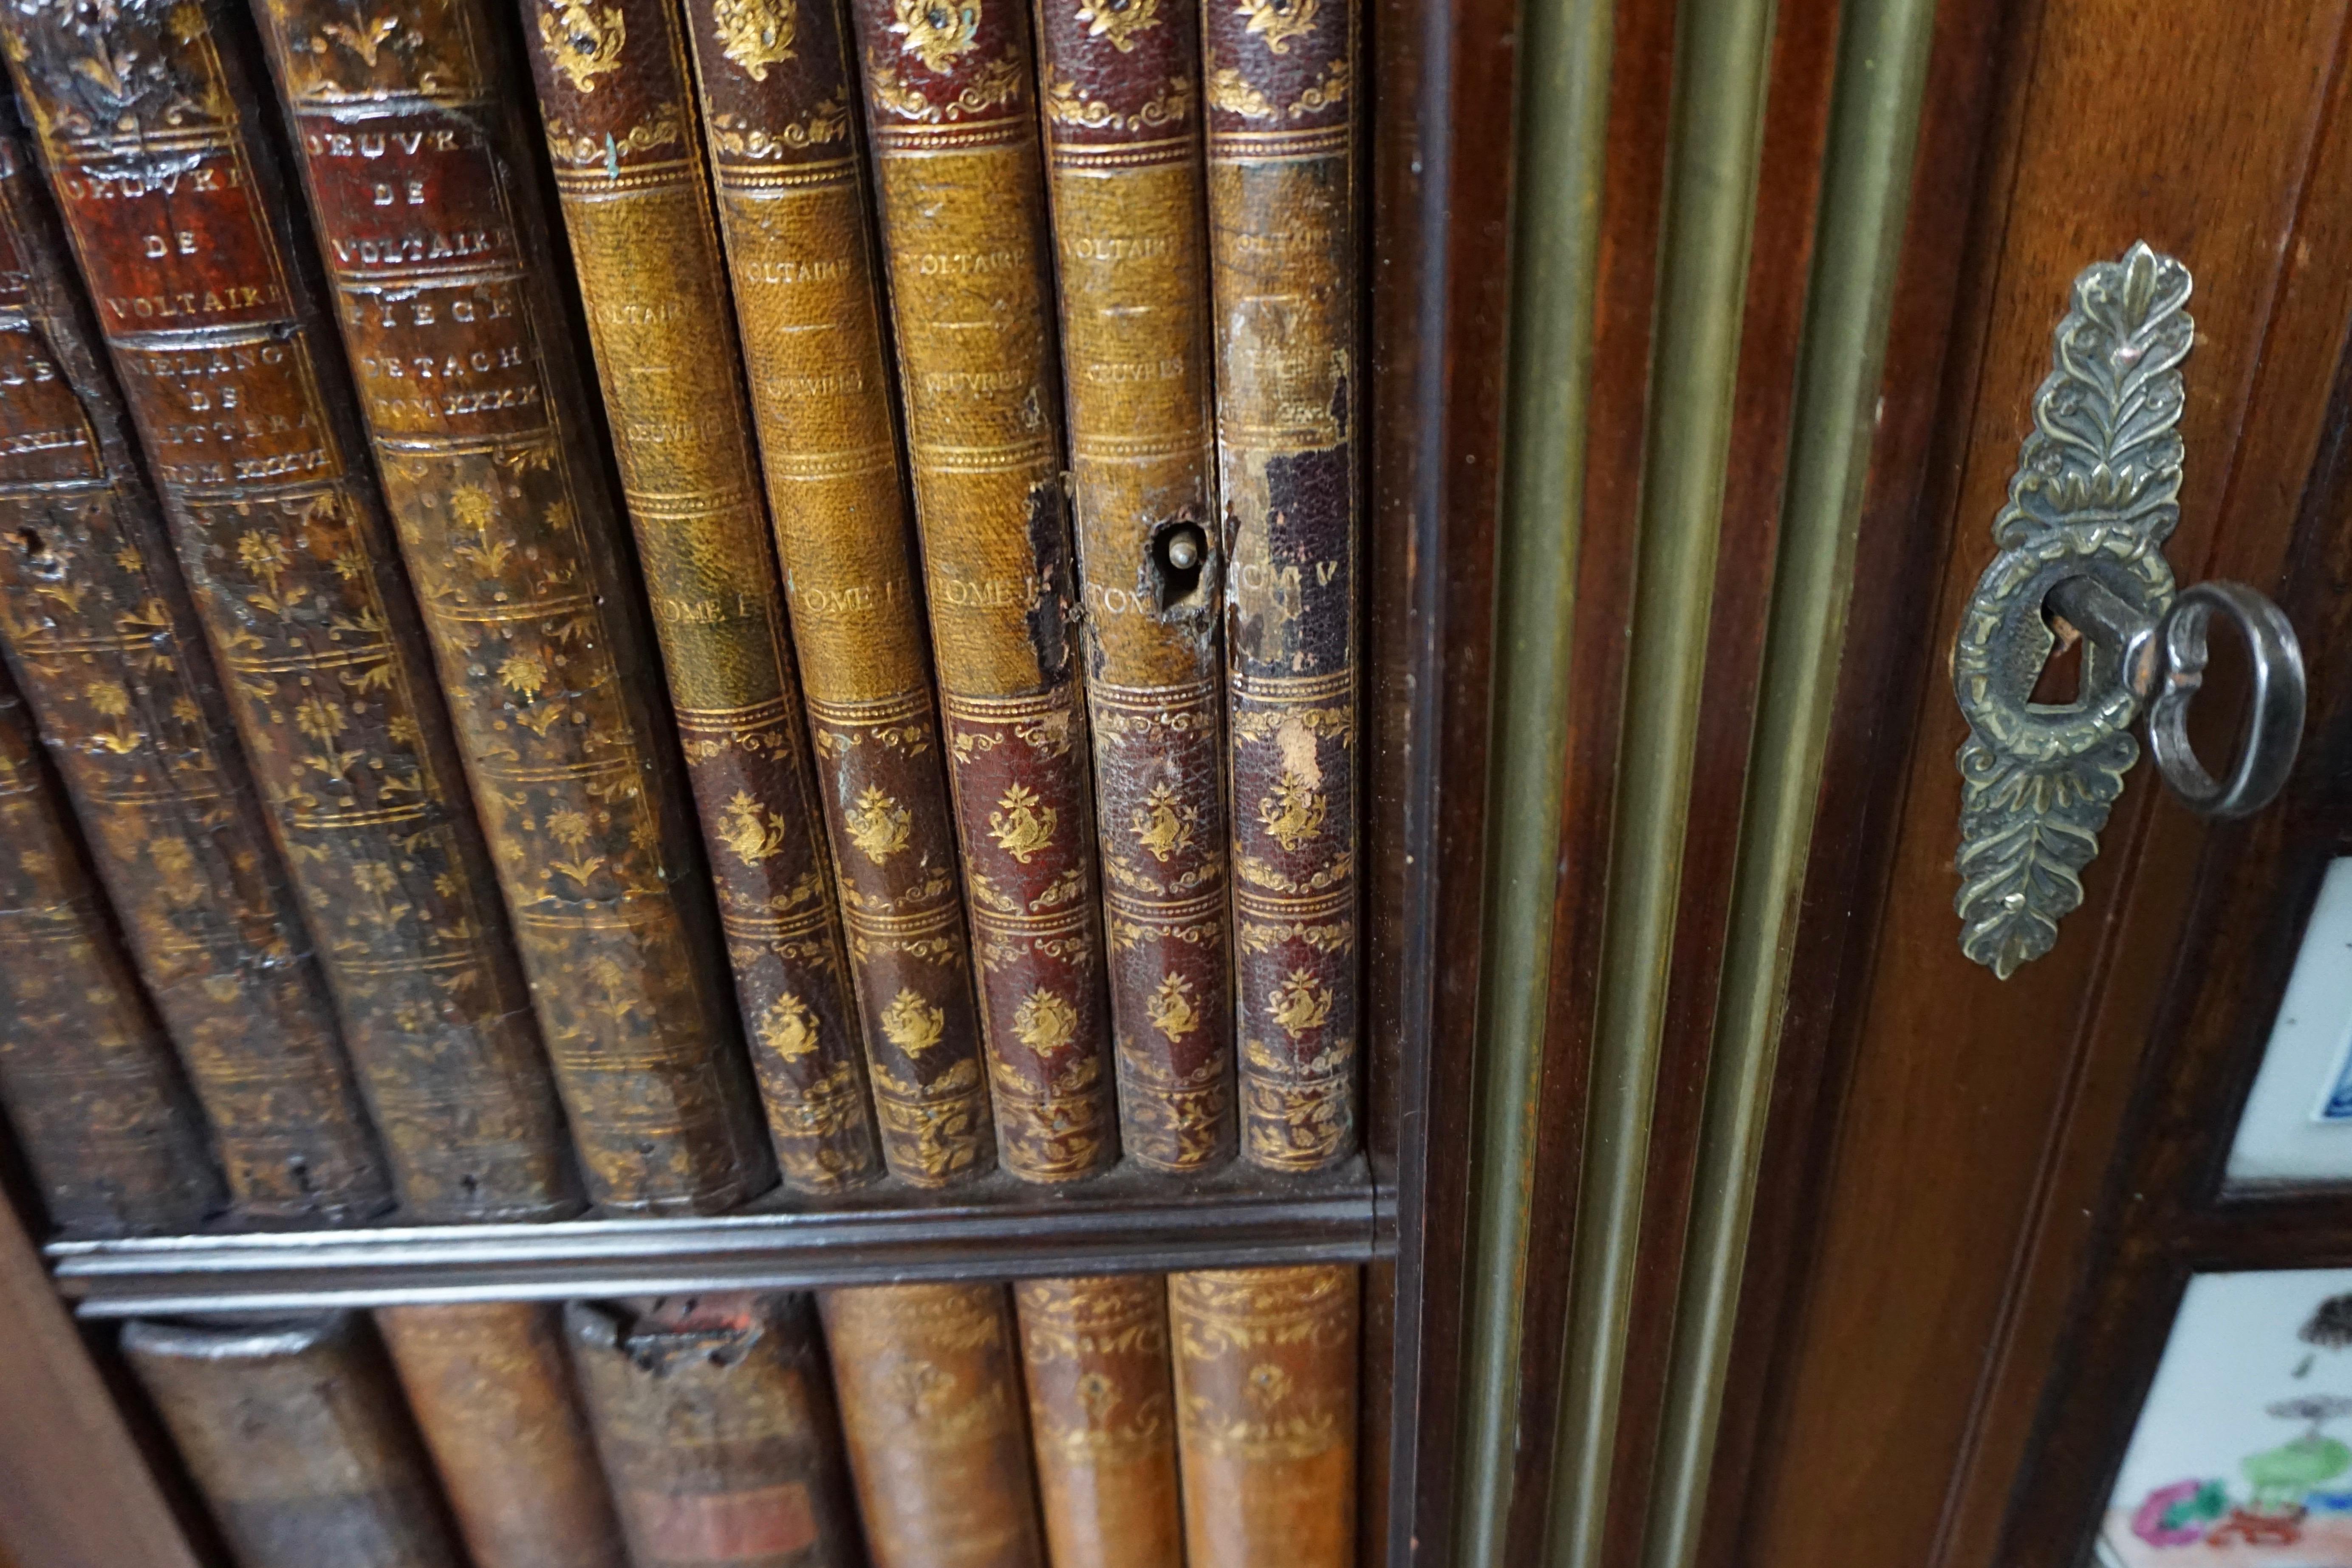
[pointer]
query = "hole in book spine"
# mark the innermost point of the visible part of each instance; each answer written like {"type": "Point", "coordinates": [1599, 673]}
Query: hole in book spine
{"type": "Point", "coordinates": [1180, 556]}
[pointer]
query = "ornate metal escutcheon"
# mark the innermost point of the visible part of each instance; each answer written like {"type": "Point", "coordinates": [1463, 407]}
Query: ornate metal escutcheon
{"type": "Point", "coordinates": [2096, 494]}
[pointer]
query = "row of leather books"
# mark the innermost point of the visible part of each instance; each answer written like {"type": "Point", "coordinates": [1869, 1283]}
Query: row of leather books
{"type": "Point", "coordinates": [448, 834]}
{"type": "Point", "coordinates": [1128, 1422]}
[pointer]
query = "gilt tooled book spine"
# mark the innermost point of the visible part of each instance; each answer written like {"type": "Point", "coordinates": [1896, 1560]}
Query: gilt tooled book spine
{"type": "Point", "coordinates": [622, 130]}
{"type": "Point", "coordinates": [1282, 225]}
{"type": "Point", "coordinates": [1265, 1402]}
{"type": "Point", "coordinates": [414, 151]}
{"type": "Point", "coordinates": [717, 1427]}
{"type": "Point", "coordinates": [1103, 1418]}
{"type": "Point", "coordinates": [776, 89]}
{"type": "Point", "coordinates": [1121, 102]}
{"type": "Point", "coordinates": [183, 230]}
{"type": "Point", "coordinates": [293, 1431]}
{"type": "Point", "coordinates": [956, 150]}
{"type": "Point", "coordinates": [87, 1078]}
{"type": "Point", "coordinates": [493, 1396]}
{"type": "Point", "coordinates": [930, 1381]}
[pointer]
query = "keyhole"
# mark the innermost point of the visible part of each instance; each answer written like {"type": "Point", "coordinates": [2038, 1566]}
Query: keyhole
{"type": "Point", "coordinates": [2059, 684]}
{"type": "Point", "coordinates": [1178, 552]}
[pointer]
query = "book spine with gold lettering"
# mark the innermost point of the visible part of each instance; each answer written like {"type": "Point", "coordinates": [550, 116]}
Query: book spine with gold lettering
{"type": "Point", "coordinates": [1265, 1403]}
{"type": "Point", "coordinates": [493, 1396]}
{"type": "Point", "coordinates": [105, 643]}
{"type": "Point", "coordinates": [183, 229]}
{"type": "Point", "coordinates": [1279, 79]}
{"type": "Point", "coordinates": [717, 1427]}
{"type": "Point", "coordinates": [948, 102]}
{"type": "Point", "coordinates": [412, 148]}
{"type": "Point", "coordinates": [645, 242]}
{"type": "Point", "coordinates": [1095, 1352]}
{"type": "Point", "coordinates": [930, 1381]}
{"type": "Point", "coordinates": [87, 1078]}
{"type": "Point", "coordinates": [776, 96]}
{"type": "Point", "coordinates": [1121, 102]}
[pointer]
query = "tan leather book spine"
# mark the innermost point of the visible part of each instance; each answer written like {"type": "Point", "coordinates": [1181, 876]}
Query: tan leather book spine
{"type": "Point", "coordinates": [219, 341]}
{"type": "Point", "coordinates": [948, 100]}
{"type": "Point", "coordinates": [1265, 1402]}
{"type": "Point", "coordinates": [1095, 1353]}
{"type": "Point", "coordinates": [717, 1429]}
{"type": "Point", "coordinates": [106, 645]}
{"type": "Point", "coordinates": [412, 146]}
{"type": "Point", "coordinates": [1280, 83]}
{"type": "Point", "coordinates": [930, 1408]}
{"type": "Point", "coordinates": [1122, 113]}
{"type": "Point", "coordinates": [776, 95]}
{"type": "Point", "coordinates": [293, 1431]}
{"type": "Point", "coordinates": [636, 202]}
{"type": "Point", "coordinates": [87, 1078]}
{"type": "Point", "coordinates": [492, 1395]}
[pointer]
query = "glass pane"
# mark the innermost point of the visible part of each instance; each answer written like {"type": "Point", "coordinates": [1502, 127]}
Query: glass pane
{"type": "Point", "coordinates": [2297, 1125]}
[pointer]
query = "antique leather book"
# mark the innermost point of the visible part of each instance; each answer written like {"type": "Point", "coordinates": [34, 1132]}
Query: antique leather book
{"type": "Point", "coordinates": [645, 242]}
{"type": "Point", "coordinates": [948, 97]}
{"type": "Point", "coordinates": [1103, 1416]}
{"type": "Point", "coordinates": [409, 130]}
{"type": "Point", "coordinates": [182, 227]}
{"type": "Point", "coordinates": [492, 1394]}
{"type": "Point", "coordinates": [293, 1431]}
{"type": "Point", "coordinates": [1121, 104]}
{"type": "Point", "coordinates": [1265, 1401]}
{"type": "Point", "coordinates": [717, 1429]}
{"type": "Point", "coordinates": [930, 1408]}
{"type": "Point", "coordinates": [105, 642]}
{"type": "Point", "coordinates": [1282, 225]}
{"type": "Point", "coordinates": [776, 86]}
{"type": "Point", "coordinates": [106, 1122]}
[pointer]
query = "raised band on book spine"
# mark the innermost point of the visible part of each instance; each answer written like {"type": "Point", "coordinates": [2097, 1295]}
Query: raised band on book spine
{"type": "Point", "coordinates": [949, 100]}
{"type": "Point", "coordinates": [413, 149]}
{"type": "Point", "coordinates": [492, 1395]}
{"type": "Point", "coordinates": [221, 344]}
{"type": "Point", "coordinates": [1280, 82]}
{"type": "Point", "coordinates": [636, 201]}
{"type": "Point", "coordinates": [105, 643]}
{"type": "Point", "coordinates": [1122, 123]}
{"type": "Point", "coordinates": [792, 203]}
{"type": "Point", "coordinates": [1095, 1352]}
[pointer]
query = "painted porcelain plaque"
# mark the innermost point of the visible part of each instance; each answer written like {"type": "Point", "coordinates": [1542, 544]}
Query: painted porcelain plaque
{"type": "Point", "coordinates": [2297, 1125]}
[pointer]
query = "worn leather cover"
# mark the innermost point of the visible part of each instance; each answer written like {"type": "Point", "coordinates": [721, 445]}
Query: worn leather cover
{"type": "Point", "coordinates": [1104, 1419]}
{"type": "Point", "coordinates": [1282, 222]}
{"type": "Point", "coordinates": [293, 1430]}
{"type": "Point", "coordinates": [931, 1407]}
{"type": "Point", "coordinates": [717, 1429]}
{"type": "Point", "coordinates": [948, 99]}
{"type": "Point", "coordinates": [775, 87]}
{"type": "Point", "coordinates": [1265, 1399]}
{"type": "Point", "coordinates": [180, 223]}
{"type": "Point", "coordinates": [408, 118]}
{"type": "Point", "coordinates": [492, 1392]}
{"type": "Point", "coordinates": [622, 131]}
{"type": "Point", "coordinates": [1121, 104]}
{"type": "Point", "coordinates": [105, 644]}
{"type": "Point", "coordinates": [86, 1076]}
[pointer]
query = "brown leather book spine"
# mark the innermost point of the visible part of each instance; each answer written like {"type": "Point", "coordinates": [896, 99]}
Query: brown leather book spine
{"type": "Point", "coordinates": [105, 642]}
{"type": "Point", "coordinates": [1282, 223]}
{"type": "Point", "coordinates": [225, 364]}
{"type": "Point", "coordinates": [718, 1429]}
{"type": "Point", "coordinates": [86, 1075]}
{"type": "Point", "coordinates": [1121, 105]}
{"type": "Point", "coordinates": [493, 1396]}
{"type": "Point", "coordinates": [1101, 1408]}
{"type": "Point", "coordinates": [1265, 1402]}
{"type": "Point", "coordinates": [412, 146]}
{"type": "Point", "coordinates": [948, 97]}
{"type": "Point", "coordinates": [645, 242]}
{"type": "Point", "coordinates": [293, 1430]}
{"type": "Point", "coordinates": [776, 90]}
{"type": "Point", "coordinates": [930, 1408]}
